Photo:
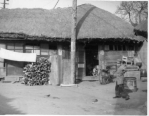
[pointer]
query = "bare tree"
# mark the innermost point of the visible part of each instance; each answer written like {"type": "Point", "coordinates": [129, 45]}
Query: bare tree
{"type": "Point", "coordinates": [133, 11]}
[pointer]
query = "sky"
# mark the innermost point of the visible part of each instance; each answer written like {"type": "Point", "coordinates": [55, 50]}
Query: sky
{"type": "Point", "coordinates": [110, 6]}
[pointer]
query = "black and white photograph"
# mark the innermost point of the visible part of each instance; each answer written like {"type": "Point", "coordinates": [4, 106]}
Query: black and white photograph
{"type": "Point", "coordinates": [73, 57]}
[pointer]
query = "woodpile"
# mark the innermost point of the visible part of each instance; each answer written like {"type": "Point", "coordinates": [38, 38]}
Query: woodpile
{"type": "Point", "coordinates": [37, 73]}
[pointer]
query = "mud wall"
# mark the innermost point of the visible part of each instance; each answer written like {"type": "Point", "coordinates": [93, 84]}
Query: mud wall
{"type": "Point", "coordinates": [143, 54]}
{"type": "Point", "coordinates": [2, 65]}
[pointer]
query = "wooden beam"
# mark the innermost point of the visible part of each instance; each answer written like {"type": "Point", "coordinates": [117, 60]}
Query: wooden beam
{"type": "Point", "coordinates": [73, 42]}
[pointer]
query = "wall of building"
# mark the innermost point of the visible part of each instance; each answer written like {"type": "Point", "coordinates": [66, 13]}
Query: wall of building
{"type": "Point", "coordinates": [2, 64]}
{"type": "Point", "coordinates": [114, 52]}
{"type": "Point", "coordinates": [80, 60]}
{"type": "Point", "coordinates": [142, 54]}
{"type": "Point", "coordinates": [106, 53]}
{"type": "Point", "coordinates": [15, 68]}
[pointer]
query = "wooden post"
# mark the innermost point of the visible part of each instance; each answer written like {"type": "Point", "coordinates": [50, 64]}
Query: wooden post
{"type": "Point", "coordinates": [60, 63]}
{"type": "Point", "coordinates": [73, 41]}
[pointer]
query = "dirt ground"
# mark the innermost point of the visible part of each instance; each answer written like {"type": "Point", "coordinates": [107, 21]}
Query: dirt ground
{"type": "Point", "coordinates": [88, 98]}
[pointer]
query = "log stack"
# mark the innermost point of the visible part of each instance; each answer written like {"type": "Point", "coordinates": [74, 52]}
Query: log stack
{"type": "Point", "coordinates": [37, 73]}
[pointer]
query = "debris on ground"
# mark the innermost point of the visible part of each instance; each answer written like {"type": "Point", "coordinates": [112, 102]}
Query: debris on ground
{"type": "Point", "coordinates": [95, 100]}
{"type": "Point", "coordinates": [48, 95]}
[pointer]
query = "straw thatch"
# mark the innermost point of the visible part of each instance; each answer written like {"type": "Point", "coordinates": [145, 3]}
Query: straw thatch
{"type": "Point", "coordinates": [92, 22]}
{"type": "Point", "coordinates": [143, 26]}
{"type": "Point", "coordinates": [142, 29]}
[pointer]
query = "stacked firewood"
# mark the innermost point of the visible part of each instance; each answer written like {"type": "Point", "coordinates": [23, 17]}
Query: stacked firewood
{"type": "Point", "coordinates": [37, 73]}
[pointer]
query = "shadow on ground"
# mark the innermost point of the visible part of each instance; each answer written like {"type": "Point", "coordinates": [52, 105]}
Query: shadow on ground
{"type": "Point", "coordinates": [77, 81]}
{"type": "Point", "coordinates": [6, 109]}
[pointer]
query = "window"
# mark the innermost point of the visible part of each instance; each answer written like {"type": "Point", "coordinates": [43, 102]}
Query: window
{"type": "Point", "coordinates": [117, 47]}
{"type": "Point", "coordinates": [30, 48]}
{"type": "Point", "coordinates": [52, 49]}
{"type": "Point", "coordinates": [17, 47]}
{"type": "Point", "coordinates": [47, 49]}
{"type": "Point", "coordinates": [44, 49]}
{"type": "Point", "coordinates": [66, 52]}
{"type": "Point", "coordinates": [10, 46]}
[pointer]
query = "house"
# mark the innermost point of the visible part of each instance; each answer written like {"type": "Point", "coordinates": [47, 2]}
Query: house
{"type": "Point", "coordinates": [102, 37]}
{"type": "Point", "coordinates": [141, 31]}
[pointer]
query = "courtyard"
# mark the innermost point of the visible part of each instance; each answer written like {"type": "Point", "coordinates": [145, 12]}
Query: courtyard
{"type": "Point", "coordinates": [86, 98]}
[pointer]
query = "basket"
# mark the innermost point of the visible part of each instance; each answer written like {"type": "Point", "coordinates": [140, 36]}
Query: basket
{"type": "Point", "coordinates": [130, 83]}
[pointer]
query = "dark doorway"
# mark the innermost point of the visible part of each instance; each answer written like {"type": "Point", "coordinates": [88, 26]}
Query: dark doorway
{"type": "Point", "coordinates": [91, 58]}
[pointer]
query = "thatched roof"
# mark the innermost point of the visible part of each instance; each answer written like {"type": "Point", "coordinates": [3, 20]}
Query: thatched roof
{"type": "Point", "coordinates": [92, 22]}
{"type": "Point", "coordinates": [143, 26]}
{"type": "Point", "coordinates": [142, 29]}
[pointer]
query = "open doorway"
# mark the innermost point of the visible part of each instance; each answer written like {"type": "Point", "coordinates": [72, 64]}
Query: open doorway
{"type": "Point", "coordinates": [91, 58]}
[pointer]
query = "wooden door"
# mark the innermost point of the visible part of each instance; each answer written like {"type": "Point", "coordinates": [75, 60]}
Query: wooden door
{"type": "Point", "coordinates": [81, 64]}
{"type": "Point", "coordinates": [14, 68]}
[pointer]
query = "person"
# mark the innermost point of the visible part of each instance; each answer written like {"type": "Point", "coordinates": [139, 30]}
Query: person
{"type": "Point", "coordinates": [137, 60]}
{"type": "Point", "coordinates": [95, 71]}
{"type": "Point", "coordinates": [119, 88]}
